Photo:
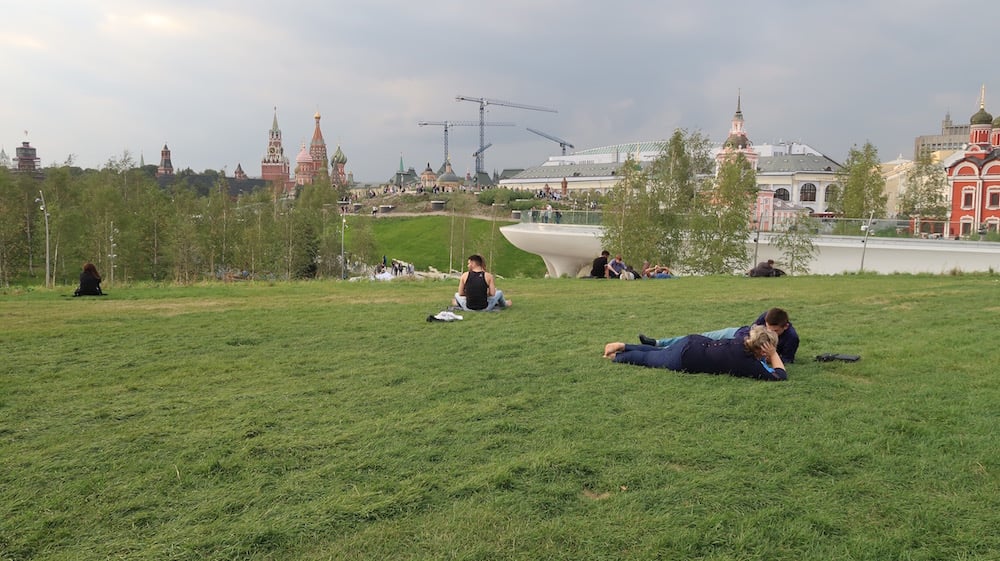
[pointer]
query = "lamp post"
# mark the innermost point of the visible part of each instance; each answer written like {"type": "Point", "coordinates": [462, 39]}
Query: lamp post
{"type": "Point", "coordinates": [45, 213]}
{"type": "Point", "coordinates": [112, 255]}
{"type": "Point", "coordinates": [868, 228]}
{"type": "Point", "coordinates": [343, 261]}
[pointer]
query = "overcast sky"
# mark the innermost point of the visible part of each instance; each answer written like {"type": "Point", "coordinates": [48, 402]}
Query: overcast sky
{"type": "Point", "coordinates": [94, 78]}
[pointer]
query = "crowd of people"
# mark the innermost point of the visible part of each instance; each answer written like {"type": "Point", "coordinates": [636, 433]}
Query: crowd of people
{"type": "Point", "coordinates": [606, 267]}
{"type": "Point", "coordinates": [758, 350]}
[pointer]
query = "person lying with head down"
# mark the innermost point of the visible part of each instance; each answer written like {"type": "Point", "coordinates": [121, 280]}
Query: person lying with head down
{"type": "Point", "coordinates": [754, 356]}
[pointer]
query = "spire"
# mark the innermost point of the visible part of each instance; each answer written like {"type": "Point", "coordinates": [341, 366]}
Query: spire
{"type": "Point", "coordinates": [317, 138]}
{"type": "Point", "coordinates": [982, 97]}
{"type": "Point", "coordinates": [274, 123]}
{"type": "Point", "coordinates": [739, 104]}
{"type": "Point", "coordinates": [401, 168]}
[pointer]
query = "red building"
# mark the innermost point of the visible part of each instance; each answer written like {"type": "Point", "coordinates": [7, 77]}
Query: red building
{"type": "Point", "coordinates": [317, 149]}
{"type": "Point", "coordinates": [310, 163]}
{"type": "Point", "coordinates": [166, 167]}
{"type": "Point", "coordinates": [274, 167]}
{"type": "Point", "coordinates": [27, 158]}
{"type": "Point", "coordinates": [975, 179]}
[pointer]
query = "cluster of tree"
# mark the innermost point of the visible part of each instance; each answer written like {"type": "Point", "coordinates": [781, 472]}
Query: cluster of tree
{"type": "Point", "coordinates": [676, 211]}
{"type": "Point", "coordinates": [679, 211]}
{"type": "Point", "coordinates": [133, 229]}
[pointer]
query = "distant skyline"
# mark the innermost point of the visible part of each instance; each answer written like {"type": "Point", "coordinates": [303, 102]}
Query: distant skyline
{"type": "Point", "coordinates": [95, 78]}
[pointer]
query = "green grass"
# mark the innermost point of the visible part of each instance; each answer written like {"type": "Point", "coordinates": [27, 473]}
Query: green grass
{"type": "Point", "coordinates": [425, 241]}
{"type": "Point", "coordinates": [329, 420]}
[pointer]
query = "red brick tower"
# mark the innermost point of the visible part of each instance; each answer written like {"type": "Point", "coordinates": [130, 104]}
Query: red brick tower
{"type": "Point", "coordinates": [166, 166]}
{"type": "Point", "coordinates": [317, 149]}
{"type": "Point", "coordinates": [274, 167]}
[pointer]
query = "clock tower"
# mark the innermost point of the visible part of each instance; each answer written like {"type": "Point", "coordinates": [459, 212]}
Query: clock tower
{"type": "Point", "coordinates": [274, 166]}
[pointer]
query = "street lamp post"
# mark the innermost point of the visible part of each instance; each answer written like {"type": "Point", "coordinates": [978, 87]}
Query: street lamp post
{"type": "Point", "coordinates": [45, 213]}
{"type": "Point", "coordinates": [343, 260]}
{"type": "Point", "coordinates": [868, 228]}
{"type": "Point", "coordinates": [112, 255]}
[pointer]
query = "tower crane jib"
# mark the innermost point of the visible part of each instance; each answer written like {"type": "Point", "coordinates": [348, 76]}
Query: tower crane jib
{"type": "Point", "coordinates": [562, 143]}
{"type": "Point", "coordinates": [448, 124]}
{"type": "Point", "coordinates": [483, 102]}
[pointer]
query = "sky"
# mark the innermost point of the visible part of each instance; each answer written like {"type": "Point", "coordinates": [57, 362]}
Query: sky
{"type": "Point", "coordinates": [90, 79]}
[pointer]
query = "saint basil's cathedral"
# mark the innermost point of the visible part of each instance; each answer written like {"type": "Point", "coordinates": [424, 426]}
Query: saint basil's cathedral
{"type": "Point", "coordinates": [310, 163]}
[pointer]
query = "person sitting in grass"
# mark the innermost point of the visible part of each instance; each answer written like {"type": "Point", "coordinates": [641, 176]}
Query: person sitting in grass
{"type": "Point", "coordinates": [90, 282]}
{"type": "Point", "coordinates": [754, 356]}
{"type": "Point", "coordinates": [477, 289]}
{"type": "Point", "coordinates": [599, 267]}
{"type": "Point", "coordinates": [775, 320]}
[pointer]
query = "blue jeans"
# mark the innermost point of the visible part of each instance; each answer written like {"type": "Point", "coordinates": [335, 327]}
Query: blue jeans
{"type": "Point", "coordinates": [495, 301]}
{"type": "Point", "coordinates": [717, 335]}
{"type": "Point", "coordinates": [653, 357]}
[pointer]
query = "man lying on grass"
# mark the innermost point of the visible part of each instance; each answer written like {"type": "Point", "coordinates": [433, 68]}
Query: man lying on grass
{"type": "Point", "coordinates": [754, 356]}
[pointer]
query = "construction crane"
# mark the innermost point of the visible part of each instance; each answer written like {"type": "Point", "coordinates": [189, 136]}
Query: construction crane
{"type": "Point", "coordinates": [448, 124]}
{"type": "Point", "coordinates": [477, 153]}
{"type": "Point", "coordinates": [562, 143]}
{"type": "Point", "coordinates": [483, 102]}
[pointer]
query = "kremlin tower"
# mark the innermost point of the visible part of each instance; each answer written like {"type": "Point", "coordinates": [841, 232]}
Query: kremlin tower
{"type": "Point", "coordinates": [166, 168]}
{"type": "Point", "coordinates": [274, 165]}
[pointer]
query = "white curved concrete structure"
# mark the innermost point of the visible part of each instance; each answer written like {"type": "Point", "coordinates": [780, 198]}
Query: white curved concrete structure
{"type": "Point", "coordinates": [569, 250]}
{"type": "Point", "coordinates": [564, 249]}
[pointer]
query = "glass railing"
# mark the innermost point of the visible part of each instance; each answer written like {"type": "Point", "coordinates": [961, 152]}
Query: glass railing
{"type": "Point", "coordinates": [859, 227]}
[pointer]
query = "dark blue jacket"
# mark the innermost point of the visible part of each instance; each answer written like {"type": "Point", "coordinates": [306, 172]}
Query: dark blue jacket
{"type": "Point", "coordinates": [726, 356]}
{"type": "Point", "coordinates": [788, 342]}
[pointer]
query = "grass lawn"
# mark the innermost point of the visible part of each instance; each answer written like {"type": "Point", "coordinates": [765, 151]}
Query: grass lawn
{"type": "Point", "coordinates": [329, 420]}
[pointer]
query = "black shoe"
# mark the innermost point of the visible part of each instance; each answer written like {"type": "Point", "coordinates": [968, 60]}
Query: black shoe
{"type": "Point", "coordinates": [646, 340]}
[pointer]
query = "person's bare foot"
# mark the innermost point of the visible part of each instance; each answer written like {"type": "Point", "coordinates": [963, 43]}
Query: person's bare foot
{"type": "Point", "coordinates": [507, 303]}
{"type": "Point", "coordinates": [611, 349]}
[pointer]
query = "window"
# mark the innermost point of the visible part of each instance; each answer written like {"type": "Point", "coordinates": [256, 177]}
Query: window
{"type": "Point", "coordinates": [832, 192]}
{"type": "Point", "coordinates": [967, 199]}
{"type": "Point", "coordinates": [966, 228]}
{"type": "Point", "coordinates": [782, 194]}
{"type": "Point", "coordinates": [994, 199]}
{"type": "Point", "coordinates": [808, 192]}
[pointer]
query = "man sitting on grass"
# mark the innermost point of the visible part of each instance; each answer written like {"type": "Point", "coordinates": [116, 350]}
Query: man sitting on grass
{"type": "Point", "coordinates": [776, 321]}
{"type": "Point", "coordinates": [477, 290]}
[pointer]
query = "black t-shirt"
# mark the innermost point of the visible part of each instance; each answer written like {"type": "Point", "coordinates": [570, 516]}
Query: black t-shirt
{"type": "Point", "coordinates": [476, 288]}
{"type": "Point", "coordinates": [89, 284]}
{"type": "Point", "coordinates": [598, 269]}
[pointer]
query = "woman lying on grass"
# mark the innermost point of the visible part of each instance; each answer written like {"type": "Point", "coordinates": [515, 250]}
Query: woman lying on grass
{"type": "Point", "coordinates": [754, 356]}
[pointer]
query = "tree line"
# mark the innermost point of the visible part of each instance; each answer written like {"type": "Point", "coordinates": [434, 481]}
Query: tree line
{"type": "Point", "coordinates": [680, 211]}
{"type": "Point", "coordinates": [132, 229]}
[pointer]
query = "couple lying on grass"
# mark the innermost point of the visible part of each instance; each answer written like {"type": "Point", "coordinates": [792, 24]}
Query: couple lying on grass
{"type": "Point", "coordinates": [757, 351]}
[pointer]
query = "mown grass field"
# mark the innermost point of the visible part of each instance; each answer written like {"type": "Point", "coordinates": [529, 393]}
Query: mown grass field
{"type": "Point", "coordinates": [329, 420]}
